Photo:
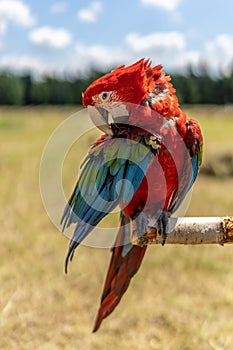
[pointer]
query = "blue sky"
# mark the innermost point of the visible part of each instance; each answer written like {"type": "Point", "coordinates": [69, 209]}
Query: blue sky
{"type": "Point", "coordinates": [70, 36]}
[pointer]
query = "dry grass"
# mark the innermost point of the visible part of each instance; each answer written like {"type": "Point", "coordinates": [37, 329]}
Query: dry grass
{"type": "Point", "coordinates": [181, 298]}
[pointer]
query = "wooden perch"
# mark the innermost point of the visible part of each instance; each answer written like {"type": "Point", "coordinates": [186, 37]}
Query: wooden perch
{"type": "Point", "coordinates": [190, 230]}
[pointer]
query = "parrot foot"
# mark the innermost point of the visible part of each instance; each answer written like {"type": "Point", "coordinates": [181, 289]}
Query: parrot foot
{"type": "Point", "coordinates": [139, 228]}
{"type": "Point", "coordinates": [163, 225]}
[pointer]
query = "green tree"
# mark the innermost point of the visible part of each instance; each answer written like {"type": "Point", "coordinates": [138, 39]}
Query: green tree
{"type": "Point", "coordinates": [11, 89]}
{"type": "Point", "coordinates": [27, 86]}
{"type": "Point", "coordinates": [39, 93]}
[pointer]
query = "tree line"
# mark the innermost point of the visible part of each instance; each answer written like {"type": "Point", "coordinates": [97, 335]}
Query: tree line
{"type": "Point", "coordinates": [192, 88]}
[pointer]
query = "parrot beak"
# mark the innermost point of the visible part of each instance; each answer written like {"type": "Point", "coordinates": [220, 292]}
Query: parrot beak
{"type": "Point", "coordinates": [100, 118]}
{"type": "Point", "coordinates": [103, 118]}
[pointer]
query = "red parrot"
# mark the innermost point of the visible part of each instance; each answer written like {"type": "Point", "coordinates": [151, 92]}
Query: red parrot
{"type": "Point", "coordinates": [146, 162]}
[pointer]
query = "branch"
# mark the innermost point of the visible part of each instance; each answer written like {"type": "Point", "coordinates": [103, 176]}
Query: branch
{"type": "Point", "coordinates": [192, 230]}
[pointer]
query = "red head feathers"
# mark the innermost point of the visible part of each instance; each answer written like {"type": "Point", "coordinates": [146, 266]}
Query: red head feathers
{"type": "Point", "coordinates": [135, 84]}
{"type": "Point", "coordinates": [125, 84]}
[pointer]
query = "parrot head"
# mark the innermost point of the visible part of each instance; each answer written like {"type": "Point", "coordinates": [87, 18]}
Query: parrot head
{"type": "Point", "coordinates": [124, 86]}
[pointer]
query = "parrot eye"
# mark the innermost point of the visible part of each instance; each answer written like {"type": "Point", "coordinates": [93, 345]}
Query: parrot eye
{"type": "Point", "coordinates": [105, 96]}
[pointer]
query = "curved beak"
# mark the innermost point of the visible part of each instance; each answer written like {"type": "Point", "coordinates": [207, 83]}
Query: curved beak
{"type": "Point", "coordinates": [100, 118]}
{"type": "Point", "coordinates": [103, 118]}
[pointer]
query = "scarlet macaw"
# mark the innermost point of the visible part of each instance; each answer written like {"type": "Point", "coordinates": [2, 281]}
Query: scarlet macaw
{"type": "Point", "coordinates": [153, 147]}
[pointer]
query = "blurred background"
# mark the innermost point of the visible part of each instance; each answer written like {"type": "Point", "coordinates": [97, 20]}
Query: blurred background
{"type": "Point", "coordinates": [50, 52]}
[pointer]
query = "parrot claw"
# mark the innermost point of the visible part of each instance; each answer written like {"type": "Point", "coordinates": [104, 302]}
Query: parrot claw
{"type": "Point", "coordinates": [163, 225]}
{"type": "Point", "coordinates": [139, 227]}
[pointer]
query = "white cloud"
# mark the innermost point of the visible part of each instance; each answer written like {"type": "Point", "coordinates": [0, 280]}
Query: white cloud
{"type": "Point", "coordinates": [221, 48]}
{"type": "Point", "coordinates": [160, 47]}
{"type": "Point", "coordinates": [168, 48]}
{"type": "Point", "coordinates": [90, 13]}
{"type": "Point", "coordinates": [52, 38]}
{"type": "Point", "coordinates": [3, 26]}
{"type": "Point", "coordinates": [15, 11]}
{"type": "Point", "coordinates": [168, 5]}
{"type": "Point", "coordinates": [158, 42]}
{"type": "Point", "coordinates": [219, 53]}
{"type": "Point", "coordinates": [190, 57]}
{"type": "Point", "coordinates": [24, 63]}
{"type": "Point", "coordinates": [100, 56]}
{"type": "Point", "coordinates": [38, 67]}
{"type": "Point", "coordinates": [59, 7]}
{"type": "Point", "coordinates": [184, 59]}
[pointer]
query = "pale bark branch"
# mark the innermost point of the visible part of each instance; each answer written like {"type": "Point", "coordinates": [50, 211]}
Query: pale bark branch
{"type": "Point", "coordinates": [190, 230]}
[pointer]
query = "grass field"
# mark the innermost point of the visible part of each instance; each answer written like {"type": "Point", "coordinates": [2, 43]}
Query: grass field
{"type": "Point", "coordinates": [182, 297]}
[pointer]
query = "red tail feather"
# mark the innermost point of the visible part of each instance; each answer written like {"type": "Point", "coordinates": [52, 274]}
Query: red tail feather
{"type": "Point", "coordinates": [120, 272]}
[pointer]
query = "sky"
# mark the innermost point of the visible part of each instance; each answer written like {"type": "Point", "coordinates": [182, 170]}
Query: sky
{"type": "Point", "coordinates": [55, 36]}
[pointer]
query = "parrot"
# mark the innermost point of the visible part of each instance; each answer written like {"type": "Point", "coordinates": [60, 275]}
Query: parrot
{"type": "Point", "coordinates": [145, 163]}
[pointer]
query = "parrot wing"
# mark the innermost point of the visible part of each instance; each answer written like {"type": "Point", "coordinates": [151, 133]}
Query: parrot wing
{"type": "Point", "coordinates": [194, 144]}
{"type": "Point", "coordinates": [100, 187]}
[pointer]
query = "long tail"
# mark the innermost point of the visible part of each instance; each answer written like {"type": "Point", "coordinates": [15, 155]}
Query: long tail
{"type": "Point", "coordinates": [125, 262]}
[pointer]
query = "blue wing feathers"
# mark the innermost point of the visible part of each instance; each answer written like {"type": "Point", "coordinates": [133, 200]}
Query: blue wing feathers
{"type": "Point", "coordinates": [99, 191]}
